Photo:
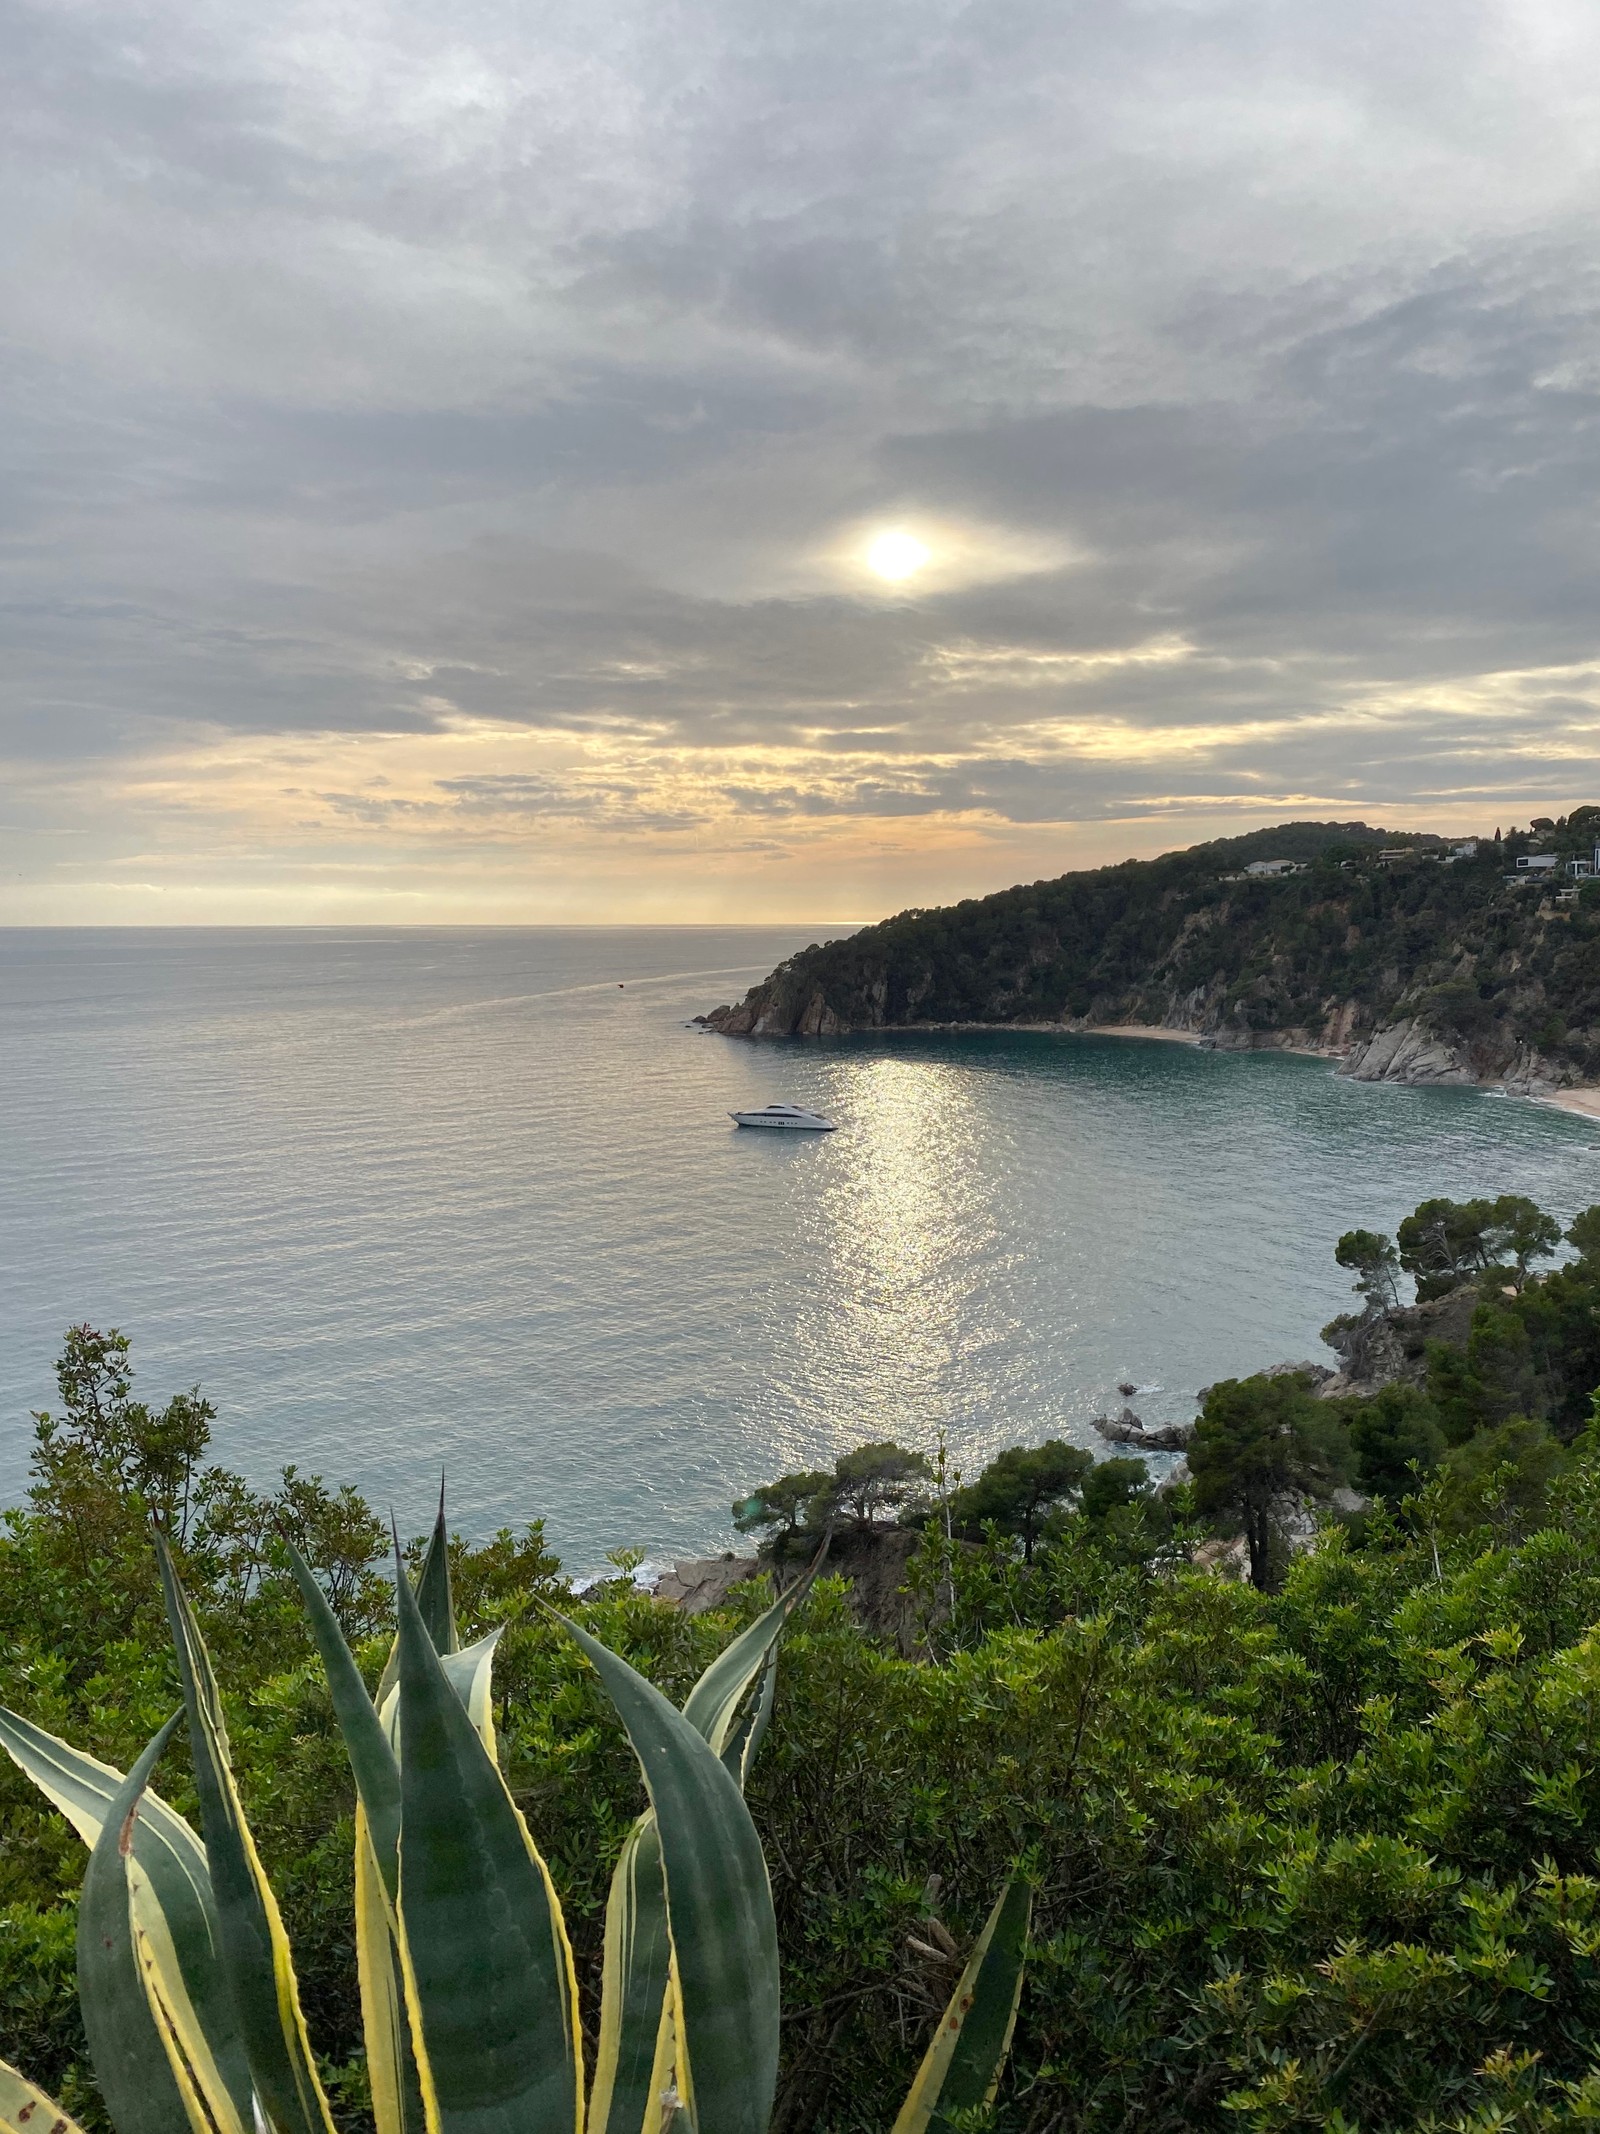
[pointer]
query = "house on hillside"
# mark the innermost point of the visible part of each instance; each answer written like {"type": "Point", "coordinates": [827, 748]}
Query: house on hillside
{"type": "Point", "coordinates": [1260, 869]}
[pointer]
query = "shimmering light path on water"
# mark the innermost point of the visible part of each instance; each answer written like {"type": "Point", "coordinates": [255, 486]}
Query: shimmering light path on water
{"type": "Point", "coordinates": [409, 1199]}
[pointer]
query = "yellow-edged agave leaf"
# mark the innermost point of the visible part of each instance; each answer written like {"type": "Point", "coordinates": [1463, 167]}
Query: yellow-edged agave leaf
{"type": "Point", "coordinates": [391, 2069]}
{"type": "Point", "coordinates": [634, 2007]}
{"type": "Point", "coordinates": [253, 1944]}
{"type": "Point", "coordinates": [712, 1707]}
{"type": "Point", "coordinates": [26, 2110]}
{"type": "Point", "coordinates": [634, 1996]}
{"type": "Point", "coordinates": [391, 2072]}
{"type": "Point", "coordinates": [739, 1750]}
{"type": "Point", "coordinates": [211, 2106]}
{"type": "Point", "coordinates": [469, 1670]}
{"type": "Point", "coordinates": [130, 2054]}
{"type": "Point", "coordinates": [372, 1743]}
{"type": "Point", "coordinates": [173, 1910]}
{"type": "Point", "coordinates": [719, 1907]}
{"type": "Point", "coordinates": [489, 1976]}
{"type": "Point", "coordinates": [435, 1602]}
{"type": "Point", "coordinates": [961, 2068]}
{"type": "Point", "coordinates": [372, 1763]}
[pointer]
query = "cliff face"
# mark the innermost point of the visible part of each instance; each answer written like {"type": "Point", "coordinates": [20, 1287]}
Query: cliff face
{"type": "Point", "coordinates": [1388, 1348]}
{"type": "Point", "coordinates": [1414, 968]}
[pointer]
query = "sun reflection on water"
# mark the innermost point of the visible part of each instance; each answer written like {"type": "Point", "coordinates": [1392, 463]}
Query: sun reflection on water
{"type": "Point", "coordinates": [904, 1228]}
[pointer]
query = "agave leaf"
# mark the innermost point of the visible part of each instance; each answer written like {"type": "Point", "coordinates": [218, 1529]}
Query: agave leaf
{"type": "Point", "coordinates": [712, 1706]}
{"type": "Point", "coordinates": [634, 1990]}
{"type": "Point", "coordinates": [173, 1912]}
{"type": "Point", "coordinates": [254, 1948]}
{"type": "Point", "coordinates": [212, 2107]}
{"type": "Point", "coordinates": [380, 1963]}
{"type": "Point", "coordinates": [634, 2007]}
{"type": "Point", "coordinates": [435, 1603]}
{"type": "Point", "coordinates": [391, 2070]}
{"type": "Point", "coordinates": [961, 2068]}
{"type": "Point", "coordinates": [26, 2110]}
{"type": "Point", "coordinates": [719, 1907]}
{"type": "Point", "coordinates": [391, 2066]}
{"type": "Point", "coordinates": [372, 1763]}
{"type": "Point", "coordinates": [128, 2050]}
{"type": "Point", "coordinates": [439, 1614]}
{"type": "Point", "coordinates": [489, 1974]}
{"type": "Point", "coordinates": [396, 2081]}
{"type": "Point", "coordinates": [469, 1672]}
{"type": "Point", "coordinates": [739, 1751]}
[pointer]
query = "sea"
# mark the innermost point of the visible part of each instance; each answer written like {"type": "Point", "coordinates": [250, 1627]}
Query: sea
{"type": "Point", "coordinates": [468, 1202]}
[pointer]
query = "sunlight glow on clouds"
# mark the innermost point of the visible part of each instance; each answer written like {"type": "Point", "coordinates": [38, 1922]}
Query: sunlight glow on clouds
{"type": "Point", "coordinates": [608, 463]}
{"type": "Point", "coordinates": [896, 555]}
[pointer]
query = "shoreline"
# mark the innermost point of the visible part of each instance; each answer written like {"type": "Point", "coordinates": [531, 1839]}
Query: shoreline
{"type": "Point", "coordinates": [1155, 1030]}
{"type": "Point", "coordinates": [1583, 1102]}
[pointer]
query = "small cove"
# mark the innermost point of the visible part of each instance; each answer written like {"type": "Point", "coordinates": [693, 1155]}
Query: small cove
{"type": "Point", "coordinates": [404, 1199]}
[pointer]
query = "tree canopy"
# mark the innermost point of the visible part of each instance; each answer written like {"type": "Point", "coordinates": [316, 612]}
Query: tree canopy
{"type": "Point", "coordinates": [1372, 1258]}
{"type": "Point", "coordinates": [1447, 1242]}
{"type": "Point", "coordinates": [874, 1480]}
{"type": "Point", "coordinates": [1258, 1440]}
{"type": "Point", "coordinates": [1019, 1486]}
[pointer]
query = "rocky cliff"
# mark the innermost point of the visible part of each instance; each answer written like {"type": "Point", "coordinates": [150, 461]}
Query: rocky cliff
{"type": "Point", "coordinates": [1404, 960]}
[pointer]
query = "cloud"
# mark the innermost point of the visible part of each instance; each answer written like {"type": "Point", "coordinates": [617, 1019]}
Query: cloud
{"type": "Point", "coordinates": [442, 439]}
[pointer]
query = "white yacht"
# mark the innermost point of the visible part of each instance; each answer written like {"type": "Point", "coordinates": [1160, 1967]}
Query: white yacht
{"type": "Point", "coordinates": [791, 1117]}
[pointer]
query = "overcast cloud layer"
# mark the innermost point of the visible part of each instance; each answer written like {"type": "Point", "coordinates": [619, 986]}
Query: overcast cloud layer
{"type": "Point", "coordinates": [442, 442]}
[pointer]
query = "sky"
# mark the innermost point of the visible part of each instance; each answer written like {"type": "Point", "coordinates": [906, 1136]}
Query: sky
{"type": "Point", "coordinates": [562, 460]}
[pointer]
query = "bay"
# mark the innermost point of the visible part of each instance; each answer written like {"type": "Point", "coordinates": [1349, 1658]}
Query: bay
{"type": "Point", "coordinates": [412, 1200]}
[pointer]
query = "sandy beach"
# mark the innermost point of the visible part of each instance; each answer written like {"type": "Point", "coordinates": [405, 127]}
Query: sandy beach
{"type": "Point", "coordinates": [1171, 1037]}
{"type": "Point", "coordinates": [1585, 1101]}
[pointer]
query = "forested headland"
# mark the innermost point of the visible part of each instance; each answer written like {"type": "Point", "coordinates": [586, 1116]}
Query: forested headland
{"type": "Point", "coordinates": [1313, 1844]}
{"type": "Point", "coordinates": [1410, 956]}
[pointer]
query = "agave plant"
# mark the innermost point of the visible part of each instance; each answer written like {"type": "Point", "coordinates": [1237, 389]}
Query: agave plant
{"type": "Point", "coordinates": [469, 1994]}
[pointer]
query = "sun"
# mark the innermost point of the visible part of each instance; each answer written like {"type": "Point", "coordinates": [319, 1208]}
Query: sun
{"type": "Point", "coordinates": [897, 555]}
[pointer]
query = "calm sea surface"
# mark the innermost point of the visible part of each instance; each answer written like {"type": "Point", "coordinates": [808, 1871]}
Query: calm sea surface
{"type": "Point", "coordinates": [471, 1199]}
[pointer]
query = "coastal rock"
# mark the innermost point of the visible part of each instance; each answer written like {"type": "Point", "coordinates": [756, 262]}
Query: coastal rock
{"type": "Point", "coordinates": [704, 1582]}
{"type": "Point", "coordinates": [1385, 1348]}
{"type": "Point", "coordinates": [874, 1561]}
{"type": "Point", "coordinates": [1230, 1559]}
{"type": "Point", "coordinates": [871, 1560]}
{"type": "Point", "coordinates": [1406, 1052]}
{"type": "Point", "coordinates": [1126, 1429]}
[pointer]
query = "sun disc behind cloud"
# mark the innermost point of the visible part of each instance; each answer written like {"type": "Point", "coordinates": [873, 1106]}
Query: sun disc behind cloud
{"type": "Point", "coordinates": [897, 555]}
{"type": "Point", "coordinates": [923, 554]}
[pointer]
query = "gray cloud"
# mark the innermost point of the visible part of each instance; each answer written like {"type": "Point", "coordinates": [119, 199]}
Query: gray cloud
{"type": "Point", "coordinates": [401, 370]}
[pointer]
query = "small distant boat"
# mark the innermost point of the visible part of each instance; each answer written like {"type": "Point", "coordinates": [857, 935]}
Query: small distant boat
{"type": "Point", "coordinates": [793, 1118]}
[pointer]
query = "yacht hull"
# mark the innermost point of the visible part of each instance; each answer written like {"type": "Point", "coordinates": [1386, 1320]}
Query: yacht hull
{"type": "Point", "coordinates": [781, 1125]}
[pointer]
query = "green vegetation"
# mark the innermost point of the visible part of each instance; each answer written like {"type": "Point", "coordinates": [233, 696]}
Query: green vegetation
{"type": "Point", "coordinates": [862, 1487]}
{"type": "Point", "coordinates": [1258, 1441]}
{"type": "Point", "coordinates": [1493, 966]}
{"type": "Point", "coordinates": [1447, 1242]}
{"type": "Point", "coordinates": [1309, 1848]}
{"type": "Point", "coordinates": [472, 2017]}
{"type": "Point", "coordinates": [1017, 1491]}
{"type": "Point", "coordinates": [1373, 1260]}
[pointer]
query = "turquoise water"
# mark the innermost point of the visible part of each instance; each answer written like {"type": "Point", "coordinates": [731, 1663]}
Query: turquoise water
{"type": "Point", "coordinates": [404, 1200]}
